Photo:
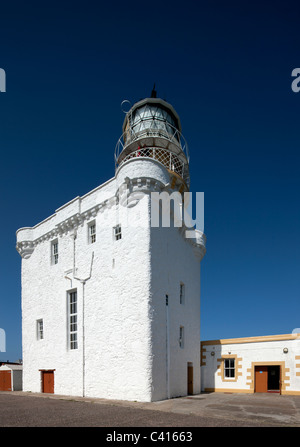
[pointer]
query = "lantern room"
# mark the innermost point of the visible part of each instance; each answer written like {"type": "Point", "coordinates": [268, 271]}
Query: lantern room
{"type": "Point", "coordinates": [152, 129]}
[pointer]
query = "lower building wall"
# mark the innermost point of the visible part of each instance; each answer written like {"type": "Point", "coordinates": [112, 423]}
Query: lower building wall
{"type": "Point", "coordinates": [174, 360]}
{"type": "Point", "coordinates": [112, 358]}
{"type": "Point", "coordinates": [277, 356]}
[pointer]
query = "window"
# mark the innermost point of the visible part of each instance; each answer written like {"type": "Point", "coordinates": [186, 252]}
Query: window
{"type": "Point", "coordinates": [182, 293]}
{"type": "Point", "coordinates": [92, 232]}
{"type": "Point", "coordinates": [181, 336]}
{"type": "Point", "coordinates": [54, 252]}
{"type": "Point", "coordinates": [72, 304]}
{"type": "Point", "coordinates": [229, 368]}
{"type": "Point", "coordinates": [117, 232]}
{"type": "Point", "coordinates": [40, 329]}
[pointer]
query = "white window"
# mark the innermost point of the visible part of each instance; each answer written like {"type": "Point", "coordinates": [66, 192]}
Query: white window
{"type": "Point", "coordinates": [40, 329]}
{"type": "Point", "coordinates": [229, 368]}
{"type": "Point", "coordinates": [181, 336]}
{"type": "Point", "coordinates": [72, 305]}
{"type": "Point", "coordinates": [117, 232]}
{"type": "Point", "coordinates": [54, 252]}
{"type": "Point", "coordinates": [182, 293]}
{"type": "Point", "coordinates": [92, 232]}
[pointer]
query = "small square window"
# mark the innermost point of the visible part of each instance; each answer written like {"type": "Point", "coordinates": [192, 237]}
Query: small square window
{"type": "Point", "coordinates": [40, 329]}
{"type": "Point", "coordinates": [117, 232]}
{"type": "Point", "coordinates": [92, 232]}
{"type": "Point", "coordinates": [182, 293]}
{"type": "Point", "coordinates": [54, 252]}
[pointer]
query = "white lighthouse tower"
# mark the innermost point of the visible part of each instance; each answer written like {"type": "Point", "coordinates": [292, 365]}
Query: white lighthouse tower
{"type": "Point", "coordinates": [111, 302]}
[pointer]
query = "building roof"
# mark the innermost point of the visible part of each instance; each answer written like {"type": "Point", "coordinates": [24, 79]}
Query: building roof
{"type": "Point", "coordinates": [12, 366]}
{"type": "Point", "coordinates": [262, 338]}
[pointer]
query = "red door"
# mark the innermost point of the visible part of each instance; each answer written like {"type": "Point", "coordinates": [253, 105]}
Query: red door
{"type": "Point", "coordinates": [48, 381]}
{"type": "Point", "coordinates": [5, 380]}
{"type": "Point", "coordinates": [261, 379]}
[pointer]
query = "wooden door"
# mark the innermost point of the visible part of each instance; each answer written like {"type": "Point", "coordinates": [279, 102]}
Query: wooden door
{"type": "Point", "coordinates": [5, 380]}
{"type": "Point", "coordinates": [190, 379]}
{"type": "Point", "coordinates": [261, 379]}
{"type": "Point", "coordinates": [48, 381]}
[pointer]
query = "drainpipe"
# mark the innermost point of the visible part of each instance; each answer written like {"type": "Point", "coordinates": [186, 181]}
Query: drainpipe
{"type": "Point", "coordinates": [167, 347]}
{"type": "Point", "coordinates": [83, 282]}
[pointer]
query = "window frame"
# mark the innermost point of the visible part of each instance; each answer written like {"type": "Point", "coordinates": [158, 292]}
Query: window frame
{"type": "Point", "coordinates": [181, 337]}
{"type": "Point", "coordinates": [229, 369]}
{"type": "Point", "coordinates": [182, 293]}
{"type": "Point", "coordinates": [117, 232]}
{"type": "Point", "coordinates": [54, 252]}
{"type": "Point", "coordinates": [40, 329]}
{"type": "Point", "coordinates": [72, 319]}
{"type": "Point", "coordinates": [92, 236]}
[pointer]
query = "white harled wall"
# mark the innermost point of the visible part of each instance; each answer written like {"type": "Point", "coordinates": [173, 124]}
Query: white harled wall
{"type": "Point", "coordinates": [123, 323]}
{"type": "Point", "coordinates": [173, 262]}
{"type": "Point", "coordinates": [117, 329]}
{"type": "Point", "coordinates": [113, 359]}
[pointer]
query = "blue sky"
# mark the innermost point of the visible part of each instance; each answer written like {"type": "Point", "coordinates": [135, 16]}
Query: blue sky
{"type": "Point", "coordinates": [226, 68]}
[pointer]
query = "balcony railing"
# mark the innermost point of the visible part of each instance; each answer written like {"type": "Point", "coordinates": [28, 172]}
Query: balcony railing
{"type": "Point", "coordinates": [167, 158]}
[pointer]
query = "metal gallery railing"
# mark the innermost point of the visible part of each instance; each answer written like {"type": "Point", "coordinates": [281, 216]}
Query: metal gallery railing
{"type": "Point", "coordinates": [167, 158]}
{"type": "Point", "coordinates": [169, 135]}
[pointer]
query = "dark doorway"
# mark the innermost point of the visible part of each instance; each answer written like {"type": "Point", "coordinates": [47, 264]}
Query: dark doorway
{"type": "Point", "coordinates": [190, 378]}
{"type": "Point", "coordinates": [274, 378]}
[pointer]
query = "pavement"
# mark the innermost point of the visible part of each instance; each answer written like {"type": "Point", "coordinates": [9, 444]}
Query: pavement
{"type": "Point", "coordinates": [204, 410]}
{"type": "Point", "coordinates": [23, 409]}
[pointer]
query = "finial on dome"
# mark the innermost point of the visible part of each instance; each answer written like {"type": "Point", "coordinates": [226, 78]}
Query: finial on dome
{"type": "Point", "coordinates": [153, 93]}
